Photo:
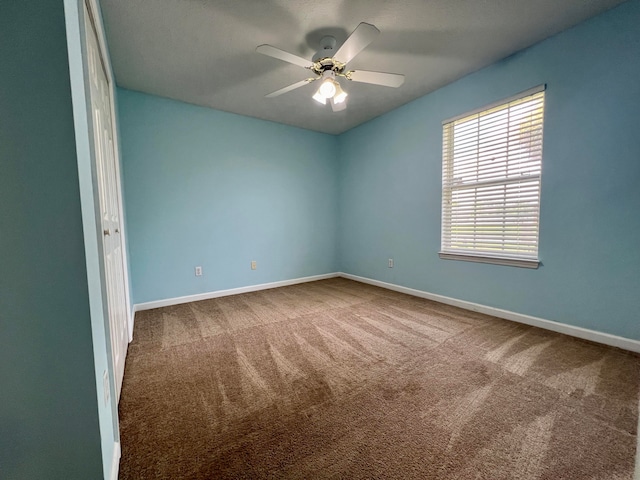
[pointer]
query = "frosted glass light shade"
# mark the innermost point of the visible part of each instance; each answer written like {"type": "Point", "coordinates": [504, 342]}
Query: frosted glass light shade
{"type": "Point", "coordinates": [328, 88]}
{"type": "Point", "coordinates": [318, 97]}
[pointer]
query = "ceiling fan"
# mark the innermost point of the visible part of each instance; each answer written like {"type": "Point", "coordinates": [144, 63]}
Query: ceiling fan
{"type": "Point", "coordinates": [328, 64]}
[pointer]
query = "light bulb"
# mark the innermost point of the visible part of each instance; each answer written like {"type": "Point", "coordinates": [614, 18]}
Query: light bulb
{"type": "Point", "coordinates": [327, 89]}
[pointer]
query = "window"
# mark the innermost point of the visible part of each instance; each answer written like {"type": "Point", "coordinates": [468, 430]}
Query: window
{"type": "Point", "coordinates": [491, 165]}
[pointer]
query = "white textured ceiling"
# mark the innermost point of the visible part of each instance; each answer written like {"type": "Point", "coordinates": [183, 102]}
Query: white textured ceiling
{"type": "Point", "coordinates": [203, 51]}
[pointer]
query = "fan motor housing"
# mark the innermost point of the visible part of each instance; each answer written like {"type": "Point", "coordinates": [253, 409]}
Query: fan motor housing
{"type": "Point", "coordinates": [323, 59]}
{"type": "Point", "coordinates": [328, 63]}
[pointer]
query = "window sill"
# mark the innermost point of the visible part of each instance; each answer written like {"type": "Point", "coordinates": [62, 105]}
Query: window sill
{"type": "Point", "coordinates": [511, 262]}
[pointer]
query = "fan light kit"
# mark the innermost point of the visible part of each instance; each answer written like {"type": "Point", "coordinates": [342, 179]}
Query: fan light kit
{"type": "Point", "coordinates": [330, 89]}
{"type": "Point", "coordinates": [327, 64]}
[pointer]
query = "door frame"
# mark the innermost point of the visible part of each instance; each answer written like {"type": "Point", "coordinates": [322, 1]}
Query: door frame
{"type": "Point", "coordinates": [107, 407]}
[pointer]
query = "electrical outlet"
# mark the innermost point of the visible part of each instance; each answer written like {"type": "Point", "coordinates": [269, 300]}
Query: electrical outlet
{"type": "Point", "coordinates": [198, 271]}
{"type": "Point", "coordinates": [391, 263]}
{"type": "Point", "coordinates": [254, 265]}
{"type": "Point", "coordinates": [105, 384]}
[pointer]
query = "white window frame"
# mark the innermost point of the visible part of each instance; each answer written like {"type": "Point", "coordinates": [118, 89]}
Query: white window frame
{"type": "Point", "coordinates": [478, 225]}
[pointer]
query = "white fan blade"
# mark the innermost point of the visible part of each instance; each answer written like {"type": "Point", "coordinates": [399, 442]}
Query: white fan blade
{"type": "Point", "coordinates": [362, 36]}
{"type": "Point", "coordinates": [274, 52]}
{"type": "Point", "coordinates": [377, 78]}
{"type": "Point", "coordinates": [290, 87]}
{"type": "Point", "coordinates": [338, 107]}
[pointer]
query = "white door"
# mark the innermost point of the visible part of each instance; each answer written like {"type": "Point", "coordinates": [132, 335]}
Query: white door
{"type": "Point", "coordinates": [108, 189]}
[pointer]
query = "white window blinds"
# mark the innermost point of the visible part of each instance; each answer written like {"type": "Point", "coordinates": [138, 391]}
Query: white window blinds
{"type": "Point", "coordinates": [491, 182]}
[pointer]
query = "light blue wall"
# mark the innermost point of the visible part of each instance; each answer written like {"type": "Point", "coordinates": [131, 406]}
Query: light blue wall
{"type": "Point", "coordinates": [390, 183]}
{"type": "Point", "coordinates": [209, 188]}
{"type": "Point", "coordinates": [49, 423]}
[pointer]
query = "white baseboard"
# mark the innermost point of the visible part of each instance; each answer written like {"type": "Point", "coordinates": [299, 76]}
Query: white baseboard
{"type": "Point", "coordinates": [636, 474]}
{"type": "Point", "coordinates": [115, 462]}
{"type": "Point", "coordinates": [233, 291]}
{"type": "Point", "coordinates": [579, 332]}
{"type": "Point", "coordinates": [584, 333]}
{"type": "Point", "coordinates": [131, 321]}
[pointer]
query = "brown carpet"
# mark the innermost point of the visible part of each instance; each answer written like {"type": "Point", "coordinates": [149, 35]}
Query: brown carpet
{"type": "Point", "coordinates": [338, 379]}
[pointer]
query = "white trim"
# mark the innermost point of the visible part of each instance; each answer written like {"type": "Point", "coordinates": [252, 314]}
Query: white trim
{"type": "Point", "coordinates": [511, 262]}
{"type": "Point", "coordinates": [115, 461]}
{"type": "Point", "coordinates": [232, 291]}
{"type": "Point", "coordinates": [579, 332]}
{"type": "Point", "coordinates": [636, 475]}
{"type": "Point", "coordinates": [132, 316]}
